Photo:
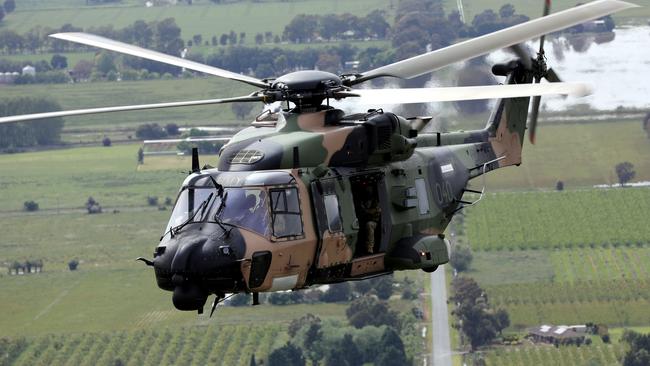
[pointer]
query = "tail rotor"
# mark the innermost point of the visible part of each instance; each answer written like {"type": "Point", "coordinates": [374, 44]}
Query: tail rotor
{"type": "Point", "coordinates": [540, 70]}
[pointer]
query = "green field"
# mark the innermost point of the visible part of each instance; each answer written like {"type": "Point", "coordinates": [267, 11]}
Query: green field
{"type": "Point", "coordinates": [245, 16]}
{"type": "Point", "coordinates": [61, 179]}
{"type": "Point", "coordinates": [102, 94]}
{"type": "Point", "coordinates": [596, 354]}
{"type": "Point", "coordinates": [533, 8]}
{"type": "Point", "coordinates": [577, 154]}
{"type": "Point", "coordinates": [205, 19]}
{"type": "Point", "coordinates": [547, 220]}
{"type": "Point", "coordinates": [209, 344]}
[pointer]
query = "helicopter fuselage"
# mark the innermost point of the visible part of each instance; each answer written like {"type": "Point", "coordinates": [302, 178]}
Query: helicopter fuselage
{"type": "Point", "coordinates": [316, 198]}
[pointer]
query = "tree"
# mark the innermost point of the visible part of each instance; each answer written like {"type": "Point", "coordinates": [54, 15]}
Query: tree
{"type": "Point", "coordinates": [106, 141]}
{"type": "Point", "coordinates": [625, 172]}
{"type": "Point", "coordinates": [167, 37]}
{"type": "Point", "coordinates": [42, 132]}
{"type": "Point", "coordinates": [172, 129]}
{"type": "Point", "coordinates": [73, 265]}
{"type": "Point", "coordinates": [559, 186]}
{"type": "Point", "coordinates": [384, 287]}
{"type": "Point", "coordinates": [287, 355]}
{"type": "Point", "coordinates": [9, 6]}
{"type": "Point", "coordinates": [506, 11]}
{"type": "Point", "coordinates": [329, 62]}
{"type": "Point", "coordinates": [461, 257]}
{"type": "Point", "coordinates": [59, 62]}
{"type": "Point", "coordinates": [301, 29]}
{"type": "Point", "coordinates": [2, 13]}
{"type": "Point", "coordinates": [390, 350]}
{"type": "Point", "coordinates": [105, 62]}
{"type": "Point", "coordinates": [93, 206]}
{"type": "Point", "coordinates": [337, 292]}
{"type": "Point", "coordinates": [82, 70]}
{"type": "Point", "coordinates": [198, 39]}
{"type": "Point", "coordinates": [478, 321]}
{"type": "Point", "coordinates": [367, 310]}
{"type": "Point", "coordinates": [259, 38]}
{"type": "Point", "coordinates": [297, 324]}
{"type": "Point", "coordinates": [639, 352]}
{"type": "Point", "coordinates": [30, 206]}
{"type": "Point", "coordinates": [150, 131]}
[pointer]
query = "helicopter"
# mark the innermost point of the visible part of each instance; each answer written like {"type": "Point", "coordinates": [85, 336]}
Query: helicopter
{"type": "Point", "coordinates": [308, 195]}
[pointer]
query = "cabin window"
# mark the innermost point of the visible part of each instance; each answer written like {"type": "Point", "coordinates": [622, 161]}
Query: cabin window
{"type": "Point", "coordinates": [332, 212]}
{"type": "Point", "coordinates": [423, 198]}
{"type": "Point", "coordinates": [285, 212]}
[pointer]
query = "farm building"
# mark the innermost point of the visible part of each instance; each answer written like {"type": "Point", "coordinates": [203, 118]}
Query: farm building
{"type": "Point", "coordinates": [561, 334]}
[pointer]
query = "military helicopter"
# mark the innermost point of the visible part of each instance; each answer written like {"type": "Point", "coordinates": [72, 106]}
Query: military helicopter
{"type": "Point", "coordinates": [308, 195]}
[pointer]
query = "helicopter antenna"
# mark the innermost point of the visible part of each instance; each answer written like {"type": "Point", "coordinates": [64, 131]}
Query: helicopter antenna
{"type": "Point", "coordinates": [196, 167]}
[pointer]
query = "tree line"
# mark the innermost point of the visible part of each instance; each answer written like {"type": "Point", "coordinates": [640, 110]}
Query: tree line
{"type": "Point", "coordinates": [15, 136]}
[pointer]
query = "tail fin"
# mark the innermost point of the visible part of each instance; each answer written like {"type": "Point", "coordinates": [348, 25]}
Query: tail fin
{"type": "Point", "coordinates": [507, 123]}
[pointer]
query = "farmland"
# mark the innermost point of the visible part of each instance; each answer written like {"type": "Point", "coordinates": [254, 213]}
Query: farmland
{"type": "Point", "coordinates": [569, 219]}
{"type": "Point", "coordinates": [570, 257]}
{"type": "Point", "coordinates": [206, 19]}
{"type": "Point", "coordinates": [601, 354]}
{"type": "Point", "coordinates": [209, 344]}
{"type": "Point", "coordinates": [571, 266]}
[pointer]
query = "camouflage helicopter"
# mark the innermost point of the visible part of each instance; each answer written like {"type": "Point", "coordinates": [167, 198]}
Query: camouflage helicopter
{"type": "Point", "coordinates": [308, 195]}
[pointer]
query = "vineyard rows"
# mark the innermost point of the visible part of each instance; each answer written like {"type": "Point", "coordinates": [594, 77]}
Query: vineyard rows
{"type": "Point", "coordinates": [589, 264]}
{"type": "Point", "coordinates": [214, 344]}
{"type": "Point", "coordinates": [568, 219]}
{"type": "Point", "coordinates": [602, 285]}
{"type": "Point", "coordinates": [603, 354]}
{"type": "Point", "coordinates": [565, 292]}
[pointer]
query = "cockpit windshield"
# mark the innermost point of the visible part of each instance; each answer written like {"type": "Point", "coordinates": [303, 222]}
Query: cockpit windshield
{"type": "Point", "coordinates": [246, 208]}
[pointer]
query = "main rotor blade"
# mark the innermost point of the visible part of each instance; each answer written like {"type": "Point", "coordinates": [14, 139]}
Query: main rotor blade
{"type": "Point", "coordinates": [450, 94]}
{"type": "Point", "coordinates": [79, 112]}
{"type": "Point", "coordinates": [109, 44]}
{"type": "Point", "coordinates": [431, 61]}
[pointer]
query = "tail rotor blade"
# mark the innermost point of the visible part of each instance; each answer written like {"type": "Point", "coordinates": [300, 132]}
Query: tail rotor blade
{"type": "Point", "coordinates": [547, 10]}
{"type": "Point", "coordinates": [552, 76]}
{"type": "Point", "coordinates": [533, 118]}
{"type": "Point", "coordinates": [522, 53]}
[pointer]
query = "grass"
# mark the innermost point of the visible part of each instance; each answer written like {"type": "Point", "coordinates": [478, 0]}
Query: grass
{"type": "Point", "coordinates": [101, 94]}
{"type": "Point", "coordinates": [202, 18]}
{"type": "Point", "coordinates": [546, 220]}
{"type": "Point", "coordinates": [606, 285]}
{"type": "Point", "coordinates": [210, 344]}
{"type": "Point", "coordinates": [577, 154]}
{"type": "Point", "coordinates": [596, 354]}
{"type": "Point", "coordinates": [63, 179]}
{"type": "Point", "coordinates": [533, 9]}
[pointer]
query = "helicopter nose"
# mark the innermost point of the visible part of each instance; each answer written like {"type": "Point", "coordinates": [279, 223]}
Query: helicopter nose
{"type": "Point", "coordinates": [193, 268]}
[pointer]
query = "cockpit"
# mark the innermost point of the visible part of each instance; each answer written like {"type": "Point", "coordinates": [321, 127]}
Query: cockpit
{"type": "Point", "coordinates": [263, 203]}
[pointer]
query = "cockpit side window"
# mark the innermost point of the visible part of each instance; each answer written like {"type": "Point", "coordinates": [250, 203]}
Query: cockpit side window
{"type": "Point", "coordinates": [192, 203]}
{"type": "Point", "coordinates": [285, 212]}
{"type": "Point", "coordinates": [245, 208]}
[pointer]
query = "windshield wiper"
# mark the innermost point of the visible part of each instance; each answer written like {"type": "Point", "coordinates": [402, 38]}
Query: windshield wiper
{"type": "Point", "coordinates": [202, 207]}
